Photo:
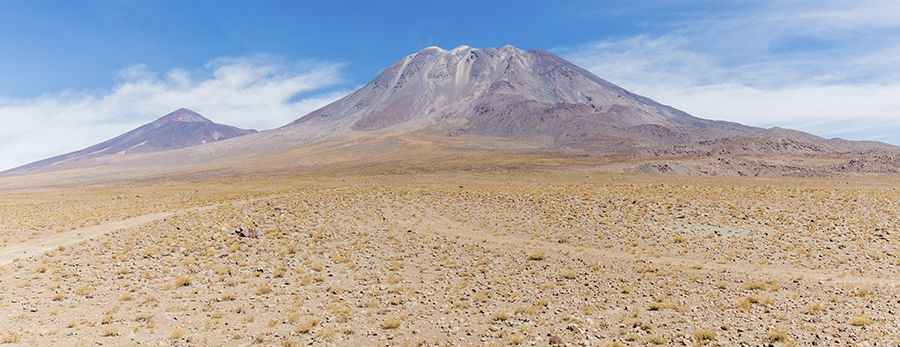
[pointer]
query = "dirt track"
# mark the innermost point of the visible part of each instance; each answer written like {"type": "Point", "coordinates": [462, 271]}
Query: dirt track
{"type": "Point", "coordinates": [53, 241]}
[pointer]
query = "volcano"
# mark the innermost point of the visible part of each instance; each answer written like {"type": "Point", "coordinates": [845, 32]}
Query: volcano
{"type": "Point", "coordinates": [179, 129]}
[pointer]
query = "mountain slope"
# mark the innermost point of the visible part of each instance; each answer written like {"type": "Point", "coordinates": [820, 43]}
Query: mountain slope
{"type": "Point", "coordinates": [179, 129]}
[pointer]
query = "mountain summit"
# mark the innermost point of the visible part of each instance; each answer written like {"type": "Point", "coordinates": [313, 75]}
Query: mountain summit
{"type": "Point", "coordinates": [179, 129]}
{"type": "Point", "coordinates": [183, 115]}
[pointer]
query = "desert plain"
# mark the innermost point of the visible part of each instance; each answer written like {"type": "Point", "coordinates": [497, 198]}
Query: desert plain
{"type": "Point", "coordinates": [491, 255]}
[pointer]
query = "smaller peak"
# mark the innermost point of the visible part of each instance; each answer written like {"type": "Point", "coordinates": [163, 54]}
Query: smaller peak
{"type": "Point", "coordinates": [183, 115]}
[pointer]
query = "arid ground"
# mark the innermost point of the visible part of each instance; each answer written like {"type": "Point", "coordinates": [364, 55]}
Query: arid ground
{"type": "Point", "coordinates": [504, 256]}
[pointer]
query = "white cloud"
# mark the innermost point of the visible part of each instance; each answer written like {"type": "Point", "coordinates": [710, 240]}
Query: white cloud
{"type": "Point", "coordinates": [809, 107]}
{"type": "Point", "coordinates": [826, 66]}
{"type": "Point", "coordinates": [252, 92]}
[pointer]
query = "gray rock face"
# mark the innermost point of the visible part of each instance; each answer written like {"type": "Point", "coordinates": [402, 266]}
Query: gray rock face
{"type": "Point", "coordinates": [179, 129]}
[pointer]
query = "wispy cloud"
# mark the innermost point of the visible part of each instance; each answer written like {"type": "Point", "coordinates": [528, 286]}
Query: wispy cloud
{"type": "Point", "coordinates": [822, 66]}
{"type": "Point", "coordinates": [258, 92]}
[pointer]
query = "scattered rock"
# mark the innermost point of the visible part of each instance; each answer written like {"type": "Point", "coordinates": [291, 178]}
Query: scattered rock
{"type": "Point", "coordinates": [555, 340]}
{"type": "Point", "coordinates": [248, 233]}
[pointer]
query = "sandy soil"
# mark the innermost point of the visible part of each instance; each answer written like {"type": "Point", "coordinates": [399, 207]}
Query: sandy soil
{"type": "Point", "coordinates": [514, 257]}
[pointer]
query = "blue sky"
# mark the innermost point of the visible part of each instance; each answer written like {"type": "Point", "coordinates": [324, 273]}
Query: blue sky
{"type": "Point", "coordinates": [75, 73]}
{"type": "Point", "coordinates": [53, 45]}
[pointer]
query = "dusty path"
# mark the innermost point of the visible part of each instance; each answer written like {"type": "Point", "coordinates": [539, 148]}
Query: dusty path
{"type": "Point", "coordinates": [42, 245]}
{"type": "Point", "coordinates": [52, 241]}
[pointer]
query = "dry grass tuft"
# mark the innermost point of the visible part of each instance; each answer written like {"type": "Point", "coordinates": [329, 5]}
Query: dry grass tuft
{"type": "Point", "coordinates": [109, 332]}
{"type": "Point", "coordinates": [777, 335]}
{"type": "Point", "coordinates": [182, 281]}
{"type": "Point", "coordinates": [861, 321]}
{"type": "Point", "coordinates": [657, 340]}
{"type": "Point", "coordinates": [84, 291]}
{"type": "Point", "coordinates": [536, 256]}
{"type": "Point", "coordinates": [126, 296]}
{"type": "Point", "coordinates": [263, 289]}
{"type": "Point", "coordinates": [177, 333]}
{"type": "Point", "coordinates": [390, 323]}
{"type": "Point", "coordinates": [306, 326]}
{"type": "Point", "coordinates": [703, 336]}
{"type": "Point", "coordinates": [516, 339]}
{"type": "Point", "coordinates": [10, 338]}
{"type": "Point", "coordinates": [500, 316]}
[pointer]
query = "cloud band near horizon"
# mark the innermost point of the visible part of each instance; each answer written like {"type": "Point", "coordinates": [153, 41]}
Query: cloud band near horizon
{"type": "Point", "coordinates": [258, 92]}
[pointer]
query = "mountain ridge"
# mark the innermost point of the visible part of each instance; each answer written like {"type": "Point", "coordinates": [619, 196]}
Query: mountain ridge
{"type": "Point", "coordinates": [508, 100]}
